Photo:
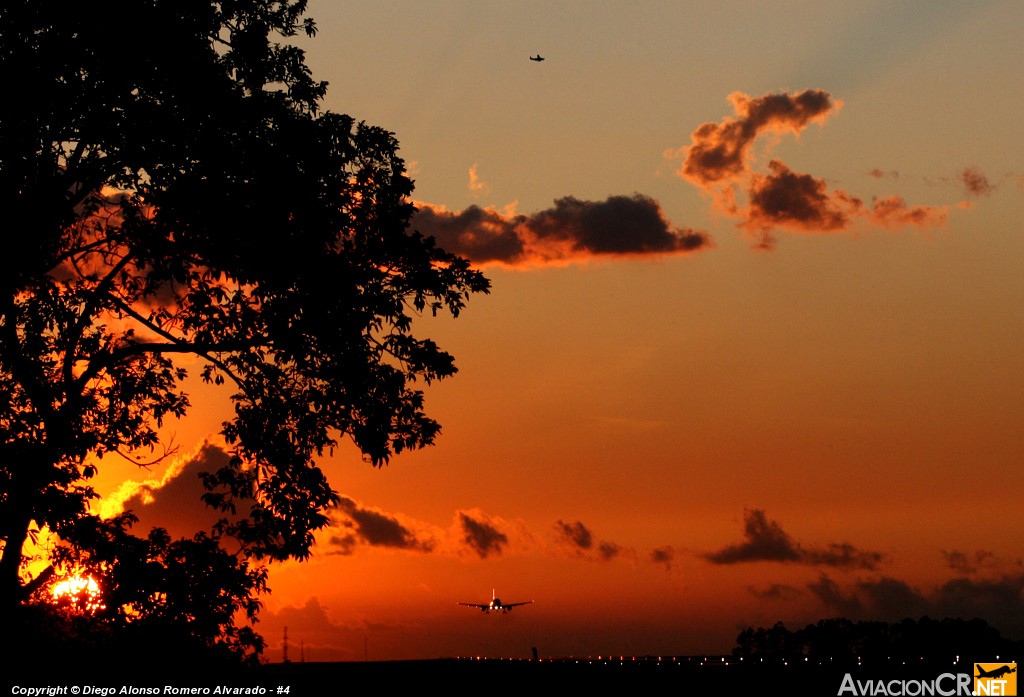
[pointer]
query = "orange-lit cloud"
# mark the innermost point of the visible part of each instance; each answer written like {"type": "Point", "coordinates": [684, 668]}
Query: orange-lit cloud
{"type": "Point", "coordinates": [719, 161]}
{"type": "Point", "coordinates": [893, 212]}
{"type": "Point", "coordinates": [360, 525]}
{"type": "Point", "coordinates": [765, 540]}
{"type": "Point", "coordinates": [570, 231]}
{"type": "Point", "coordinates": [475, 184]}
{"type": "Point", "coordinates": [720, 152]}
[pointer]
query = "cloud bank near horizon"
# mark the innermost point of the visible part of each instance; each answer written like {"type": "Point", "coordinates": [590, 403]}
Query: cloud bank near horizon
{"type": "Point", "coordinates": [999, 599]}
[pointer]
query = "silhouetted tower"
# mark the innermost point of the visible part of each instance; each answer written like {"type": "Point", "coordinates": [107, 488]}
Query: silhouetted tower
{"type": "Point", "coordinates": [285, 650]}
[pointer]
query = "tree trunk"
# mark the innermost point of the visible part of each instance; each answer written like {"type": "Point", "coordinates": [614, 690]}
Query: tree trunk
{"type": "Point", "coordinates": [15, 533]}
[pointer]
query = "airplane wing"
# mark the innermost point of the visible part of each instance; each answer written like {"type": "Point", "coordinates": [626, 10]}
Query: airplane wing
{"type": "Point", "coordinates": [516, 604]}
{"type": "Point", "coordinates": [482, 606]}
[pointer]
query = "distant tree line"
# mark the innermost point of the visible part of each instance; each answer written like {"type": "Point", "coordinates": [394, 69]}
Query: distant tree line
{"type": "Point", "coordinates": [841, 640]}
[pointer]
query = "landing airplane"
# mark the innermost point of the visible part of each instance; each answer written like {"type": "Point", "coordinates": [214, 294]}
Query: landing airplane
{"type": "Point", "coordinates": [537, 58]}
{"type": "Point", "coordinates": [995, 672]}
{"type": "Point", "coordinates": [495, 605]}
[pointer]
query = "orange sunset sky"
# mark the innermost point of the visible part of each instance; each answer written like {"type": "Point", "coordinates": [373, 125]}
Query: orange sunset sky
{"type": "Point", "coordinates": [754, 349]}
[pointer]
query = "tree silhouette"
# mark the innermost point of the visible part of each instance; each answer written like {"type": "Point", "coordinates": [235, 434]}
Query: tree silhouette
{"type": "Point", "coordinates": [844, 642]}
{"type": "Point", "coordinates": [172, 189]}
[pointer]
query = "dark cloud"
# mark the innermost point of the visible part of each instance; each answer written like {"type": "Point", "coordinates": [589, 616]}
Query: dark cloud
{"type": "Point", "coordinates": [788, 199]}
{"type": "Point", "coordinates": [479, 234]}
{"type": "Point", "coordinates": [767, 541]}
{"type": "Point", "coordinates": [321, 639]}
{"type": "Point", "coordinates": [311, 617]}
{"type": "Point", "coordinates": [481, 536]}
{"type": "Point", "coordinates": [720, 151]}
{"type": "Point", "coordinates": [975, 182]}
{"type": "Point", "coordinates": [314, 636]}
{"type": "Point", "coordinates": [620, 225]}
{"type": "Point", "coordinates": [802, 203]}
{"type": "Point", "coordinates": [575, 534]}
{"type": "Point", "coordinates": [999, 601]}
{"type": "Point", "coordinates": [580, 540]}
{"type": "Point", "coordinates": [843, 556]}
{"type": "Point", "coordinates": [964, 563]}
{"type": "Point", "coordinates": [664, 555]}
{"type": "Point", "coordinates": [609, 550]}
{"type": "Point", "coordinates": [373, 528]}
{"type": "Point", "coordinates": [175, 503]}
{"type": "Point", "coordinates": [829, 593]}
{"type": "Point", "coordinates": [571, 230]}
{"type": "Point", "coordinates": [888, 597]}
{"type": "Point", "coordinates": [776, 591]}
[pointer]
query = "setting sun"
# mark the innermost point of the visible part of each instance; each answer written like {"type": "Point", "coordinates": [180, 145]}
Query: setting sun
{"type": "Point", "coordinates": [78, 593]}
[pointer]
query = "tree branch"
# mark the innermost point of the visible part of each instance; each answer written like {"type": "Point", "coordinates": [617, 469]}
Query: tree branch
{"type": "Point", "coordinates": [176, 345]}
{"type": "Point", "coordinates": [86, 315]}
{"type": "Point", "coordinates": [146, 465]}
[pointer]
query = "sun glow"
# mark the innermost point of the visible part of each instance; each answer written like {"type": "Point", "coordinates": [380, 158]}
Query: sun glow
{"type": "Point", "coordinates": [78, 593]}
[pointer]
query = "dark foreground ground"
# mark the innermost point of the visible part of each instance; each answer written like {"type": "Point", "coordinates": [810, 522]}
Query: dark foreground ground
{"type": "Point", "coordinates": [465, 676]}
{"type": "Point", "coordinates": [680, 675]}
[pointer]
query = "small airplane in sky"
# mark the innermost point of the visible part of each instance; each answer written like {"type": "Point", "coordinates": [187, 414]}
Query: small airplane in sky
{"type": "Point", "coordinates": [537, 58]}
{"type": "Point", "coordinates": [495, 605]}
